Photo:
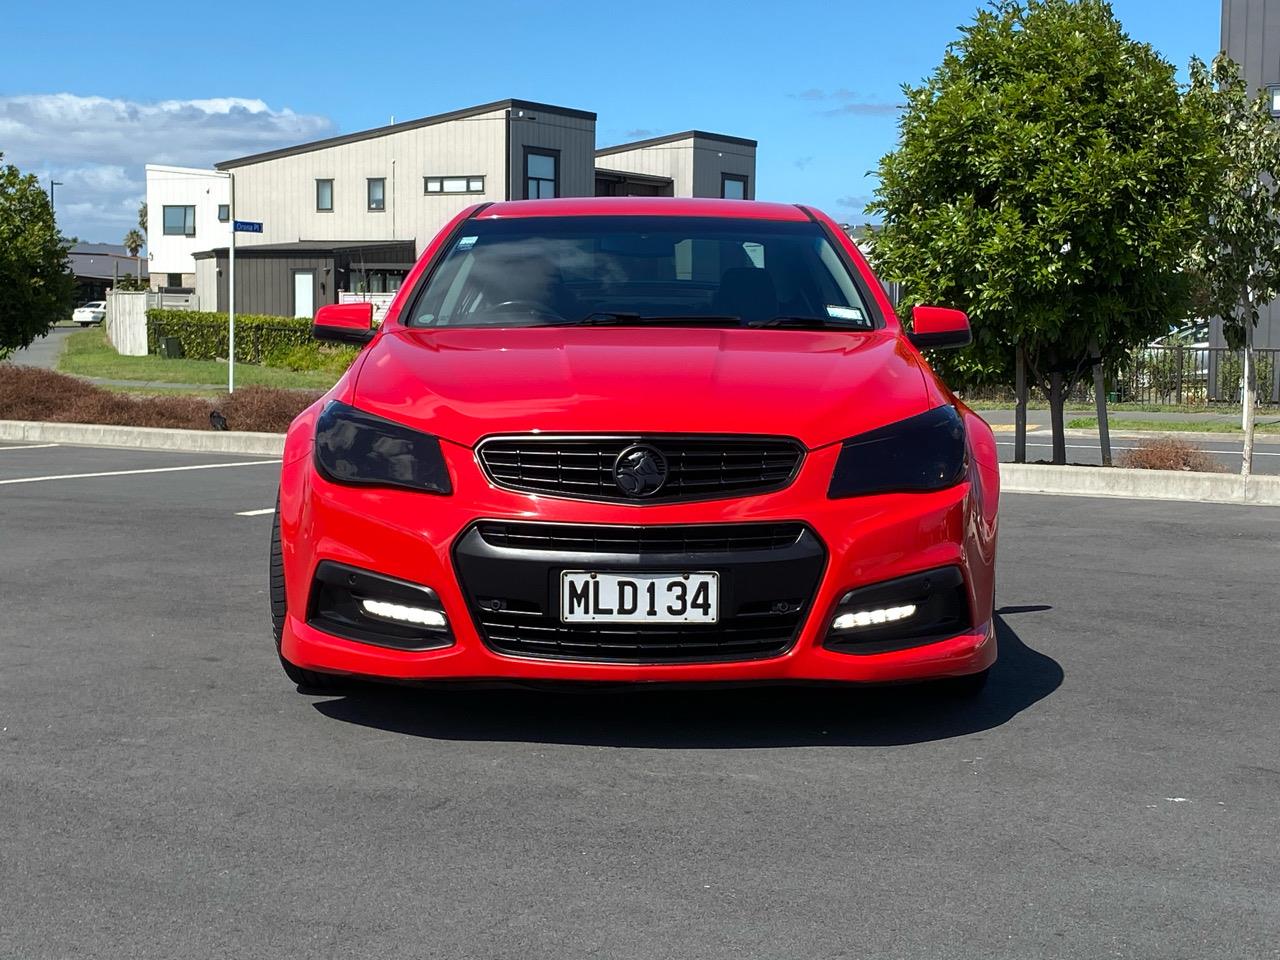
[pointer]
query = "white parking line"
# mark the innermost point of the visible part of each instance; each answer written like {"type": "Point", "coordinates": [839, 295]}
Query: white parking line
{"type": "Point", "coordinates": [29, 446]}
{"type": "Point", "coordinates": [129, 473]}
{"type": "Point", "coordinates": [256, 513]}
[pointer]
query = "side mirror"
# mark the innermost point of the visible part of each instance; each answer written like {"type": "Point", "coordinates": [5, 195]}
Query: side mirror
{"type": "Point", "coordinates": [939, 328]}
{"type": "Point", "coordinates": [344, 323]}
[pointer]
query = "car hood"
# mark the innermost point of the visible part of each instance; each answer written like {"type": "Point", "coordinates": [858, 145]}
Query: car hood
{"type": "Point", "coordinates": [466, 384]}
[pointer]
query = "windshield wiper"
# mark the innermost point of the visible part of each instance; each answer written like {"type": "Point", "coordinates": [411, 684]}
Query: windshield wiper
{"type": "Point", "coordinates": [609, 318]}
{"type": "Point", "coordinates": [799, 323]}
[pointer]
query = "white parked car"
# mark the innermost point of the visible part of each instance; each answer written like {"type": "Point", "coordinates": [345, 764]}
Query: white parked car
{"type": "Point", "coordinates": [95, 311]}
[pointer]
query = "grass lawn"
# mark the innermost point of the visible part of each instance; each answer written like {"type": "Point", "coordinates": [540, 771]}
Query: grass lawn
{"type": "Point", "coordinates": [1169, 426]}
{"type": "Point", "coordinates": [1122, 407]}
{"type": "Point", "coordinates": [88, 354]}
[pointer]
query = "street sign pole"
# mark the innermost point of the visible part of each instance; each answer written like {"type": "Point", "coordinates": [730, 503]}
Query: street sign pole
{"type": "Point", "coordinates": [231, 293]}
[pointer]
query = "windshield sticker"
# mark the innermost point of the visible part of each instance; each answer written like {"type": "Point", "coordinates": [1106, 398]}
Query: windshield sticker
{"type": "Point", "coordinates": [466, 243]}
{"type": "Point", "coordinates": [844, 313]}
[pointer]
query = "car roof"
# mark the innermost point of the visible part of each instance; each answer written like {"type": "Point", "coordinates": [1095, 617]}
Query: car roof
{"type": "Point", "coordinates": [643, 207]}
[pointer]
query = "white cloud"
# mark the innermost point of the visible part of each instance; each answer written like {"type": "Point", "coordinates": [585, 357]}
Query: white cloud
{"type": "Point", "coordinates": [98, 146]}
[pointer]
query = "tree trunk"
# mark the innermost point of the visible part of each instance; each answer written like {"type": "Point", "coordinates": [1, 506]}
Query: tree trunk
{"type": "Point", "coordinates": [1250, 392]}
{"type": "Point", "coordinates": [1057, 399]}
{"type": "Point", "coordinates": [1100, 401]}
{"type": "Point", "coordinates": [1020, 407]}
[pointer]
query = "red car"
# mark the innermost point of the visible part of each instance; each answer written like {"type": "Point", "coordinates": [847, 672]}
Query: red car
{"type": "Point", "coordinates": [638, 440]}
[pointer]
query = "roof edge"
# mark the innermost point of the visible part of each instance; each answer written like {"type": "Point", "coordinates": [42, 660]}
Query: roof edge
{"type": "Point", "coordinates": [672, 138]}
{"type": "Point", "coordinates": [374, 132]}
{"type": "Point", "coordinates": [632, 175]}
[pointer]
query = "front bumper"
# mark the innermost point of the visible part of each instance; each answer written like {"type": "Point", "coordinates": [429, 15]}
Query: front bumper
{"type": "Point", "coordinates": [428, 540]}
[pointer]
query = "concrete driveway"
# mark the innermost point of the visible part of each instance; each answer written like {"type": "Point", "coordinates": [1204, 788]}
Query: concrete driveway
{"type": "Point", "coordinates": [44, 351]}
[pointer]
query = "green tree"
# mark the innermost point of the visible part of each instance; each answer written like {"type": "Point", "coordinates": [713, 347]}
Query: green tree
{"type": "Point", "coordinates": [1237, 261]}
{"type": "Point", "coordinates": [35, 270]}
{"type": "Point", "coordinates": [1047, 177]}
{"type": "Point", "coordinates": [133, 242]}
{"type": "Point", "coordinates": [142, 217]}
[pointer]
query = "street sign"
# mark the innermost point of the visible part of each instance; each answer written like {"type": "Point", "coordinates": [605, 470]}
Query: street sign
{"type": "Point", "coordinates": [248, 226]}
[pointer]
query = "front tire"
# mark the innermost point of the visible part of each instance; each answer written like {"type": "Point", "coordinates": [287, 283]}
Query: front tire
{"type": "Point", "coordinates": [308, 679]}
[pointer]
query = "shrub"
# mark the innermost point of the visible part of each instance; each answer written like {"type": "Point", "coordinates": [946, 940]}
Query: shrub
{"type": "Point", "coordinates": [332, 358]}
{"type": "Point", "coordinates": [1169, 453]}
{"type": "Point", "coordinates": [1231, 376]}
{"type": "Point", "coordinates": [204, 334]}
{"type": "Point", "coordinates": [27, 393]}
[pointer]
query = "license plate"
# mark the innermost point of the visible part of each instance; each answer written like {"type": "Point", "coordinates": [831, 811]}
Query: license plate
{"type": "Point", "coordinates": [587, 597]}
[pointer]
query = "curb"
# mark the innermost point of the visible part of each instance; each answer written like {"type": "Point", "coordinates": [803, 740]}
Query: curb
{"type": "Point", "coordinates": [1138, 484]}
{"type": "Point", "coordinates": [145, 438]}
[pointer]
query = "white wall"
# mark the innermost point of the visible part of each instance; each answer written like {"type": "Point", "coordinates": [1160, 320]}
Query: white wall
{"type": "Point", "coordinates": [673, 160]}
{"type": "Point", "coordinates": [694, 164]}
{"type": "Point", "coordinates": [183, 186]}
{"type": "Point", "coordinates": [281, 192]}
{"type": "Point", "coordinates": [207, 282]}
{"type": "Point", "coordinates": [126, 321]}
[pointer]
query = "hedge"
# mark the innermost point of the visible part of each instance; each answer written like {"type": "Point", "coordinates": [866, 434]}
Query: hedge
{"type": "Point", "coordinates": [203, 334]}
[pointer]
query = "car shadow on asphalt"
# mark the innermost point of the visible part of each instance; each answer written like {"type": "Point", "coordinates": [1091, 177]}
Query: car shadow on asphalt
{"type": "Point", "coordinates": [723, 718]}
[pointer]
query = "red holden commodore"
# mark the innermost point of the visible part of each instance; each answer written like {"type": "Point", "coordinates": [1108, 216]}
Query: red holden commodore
{"type": "Point", "coordinates": [638, 440]}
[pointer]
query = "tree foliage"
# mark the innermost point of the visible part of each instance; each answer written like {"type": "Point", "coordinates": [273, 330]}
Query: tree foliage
{"type": "Point", "coordinates": [133, 242]}
{"type": "Point", "coordinates": [1048, 176]}
{"type": "Point", "coordinates": [37, 288]}
{"type": "Point", "coordinates": [1237, 260]}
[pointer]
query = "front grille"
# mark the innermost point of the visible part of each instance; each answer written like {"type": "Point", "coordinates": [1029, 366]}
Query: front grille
{"type": "Point", "coordinates": [643, 541]}
{"type": "Point", "coordinates": [510, 572]}
{"type": "Point", "coordinates": [698, 468]}
{"type": "Point", "coordinates": [542, 637]}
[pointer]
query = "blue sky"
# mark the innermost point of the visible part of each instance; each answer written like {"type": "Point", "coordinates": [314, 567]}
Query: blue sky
{"type": "Point", "coordinates": [815, 83]}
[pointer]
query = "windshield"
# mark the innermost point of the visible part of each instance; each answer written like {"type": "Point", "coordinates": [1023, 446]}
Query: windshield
{"type": "Point", "coordinates": [541, 271]}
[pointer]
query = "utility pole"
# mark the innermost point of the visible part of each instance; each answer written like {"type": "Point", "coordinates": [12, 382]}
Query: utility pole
{"type": "Point", "coordinates": [231, 290]}
{"type": "Point", "coordinates": [53, 183]}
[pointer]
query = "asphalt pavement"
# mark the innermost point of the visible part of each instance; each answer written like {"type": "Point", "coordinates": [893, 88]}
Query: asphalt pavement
{"type": "Point", "coordinates": [165, 792]}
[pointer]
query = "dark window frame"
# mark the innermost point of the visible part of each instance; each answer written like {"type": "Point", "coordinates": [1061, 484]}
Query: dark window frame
{"type": "Point", "coordinates": [224, 213]}
{"type": "Point", "coordinates": [741, 178]}
{"type": "Point", "coordinates": [524, 166]}
{"type": "Point", "coordinates": [164, 220]}
{"type": "Point", "coordinates": [442, 192]}
{"type": "Point", "coordinates": [329, 181]}
{"type": "Point", "coordinates": [368, 194]}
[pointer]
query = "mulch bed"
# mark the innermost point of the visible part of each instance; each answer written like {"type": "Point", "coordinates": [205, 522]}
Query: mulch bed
{"type": "Point", "coordinates": [27, 393]}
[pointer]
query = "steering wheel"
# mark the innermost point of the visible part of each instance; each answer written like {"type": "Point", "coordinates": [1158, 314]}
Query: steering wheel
{"type": "Point", "coordinates": [532, 307]}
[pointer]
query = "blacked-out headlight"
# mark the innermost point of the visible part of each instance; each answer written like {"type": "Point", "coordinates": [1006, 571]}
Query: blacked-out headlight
{"type": "Point", "coordinates": [356, 447]}
{"type": "Point", "coordinates": [922, 453]}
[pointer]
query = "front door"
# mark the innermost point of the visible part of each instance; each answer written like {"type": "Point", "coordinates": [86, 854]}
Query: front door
{"type": "Point", "coordinates": [304, 284]}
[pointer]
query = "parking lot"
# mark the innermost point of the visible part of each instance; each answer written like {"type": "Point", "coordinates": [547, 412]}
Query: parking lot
{"type": "Point", "coordinates": [164, 791]}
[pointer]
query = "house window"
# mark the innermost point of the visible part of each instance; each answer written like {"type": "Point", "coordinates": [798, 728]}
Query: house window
{"type": "Point", "coordinates": [324, 196]}
{"type": "Point", "coordinates": [542, 173]}
{"type": "Point", "coordinates": [733, 187]}
{"type": "Point", "coordinates": [175, 279]}
{"type": "Point", "coordinates": [377, 193]}
{"type": "Point", "coordinates": [453, 184]}
{"type": "Point", "coordinates": [179, 221]}
{"type": "Point", "coordinates": [376, 281]}
{"type": "Point", "coordinates": [224, 212]}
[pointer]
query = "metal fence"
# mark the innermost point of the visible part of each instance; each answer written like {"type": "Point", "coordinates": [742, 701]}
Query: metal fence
{"type": "Point", "coordinates": [1193, 375]}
